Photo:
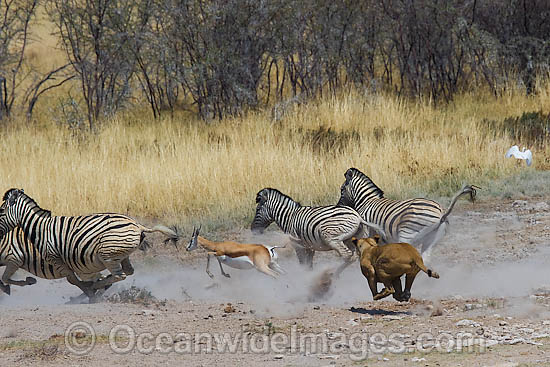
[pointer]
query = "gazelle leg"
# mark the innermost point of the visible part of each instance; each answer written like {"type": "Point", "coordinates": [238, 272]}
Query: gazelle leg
{"type": "Point", "coordinates": [275, 266]}
{"type": "Point", "coordinates": [208, 266]}
{"type": "Point", "coordinates": [266, 270]}
{"type": "Point", "coordinates": [221, 268]}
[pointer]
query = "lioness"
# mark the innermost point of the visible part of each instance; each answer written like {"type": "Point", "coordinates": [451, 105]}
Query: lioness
{"type": "Point", "coordinates": [386, 264]}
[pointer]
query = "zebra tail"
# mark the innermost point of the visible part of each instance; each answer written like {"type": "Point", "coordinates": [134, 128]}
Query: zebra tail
{"type": "Point", "coordinates": [170, 233]}
{"type": "Point", "coordinates": [466, 189]}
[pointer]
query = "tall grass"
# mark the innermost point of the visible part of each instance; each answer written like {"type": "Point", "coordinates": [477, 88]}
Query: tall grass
{"type": "Point", "coordinates": [182, 170]}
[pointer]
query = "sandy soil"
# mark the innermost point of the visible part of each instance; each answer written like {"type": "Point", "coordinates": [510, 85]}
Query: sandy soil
{"type": "Point", "coordinates": [491, 307]}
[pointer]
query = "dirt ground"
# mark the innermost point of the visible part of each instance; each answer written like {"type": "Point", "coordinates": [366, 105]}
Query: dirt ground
{"type": "Point", "coordinates": [491, 307]}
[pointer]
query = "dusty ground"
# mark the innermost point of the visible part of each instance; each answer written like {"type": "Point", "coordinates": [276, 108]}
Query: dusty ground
{"type": "Point", "coordinates": [491, 307]}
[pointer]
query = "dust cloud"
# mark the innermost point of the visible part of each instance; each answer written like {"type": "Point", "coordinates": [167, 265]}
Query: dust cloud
{"type": "Point", "coordinates": [180, 279]}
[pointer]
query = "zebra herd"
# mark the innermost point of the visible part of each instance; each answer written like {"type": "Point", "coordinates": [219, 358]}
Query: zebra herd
{"type": "Point", "coordinates": [79, 248]}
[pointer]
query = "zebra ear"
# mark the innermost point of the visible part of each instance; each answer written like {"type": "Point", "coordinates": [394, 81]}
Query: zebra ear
{"type": "Point", "coordinates": [348, 174]}
{"type": "Point", "coordinates": [261, 197]}
{"type": "Point", "coordinates": [12, 195]}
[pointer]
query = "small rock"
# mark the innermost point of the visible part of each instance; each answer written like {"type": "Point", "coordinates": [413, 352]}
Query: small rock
{"type": "Point", "coordinates": [329, 356]}
{"type": "Point", "coordinates": [229, 308]}
{"type": "Point", "coordinates": [515, 341]}
{"type": "Point", "coordinates": [542, 206]}
{"type": "Point", "coordinates": [352, 322]}
{"type": "Point", "coordinates": [546, 322]}
{"type": "Point", "coordinates": [148, 312]}
{"type": "Point", "coordinates": [416, 359]}
{"type": "Point", "coordinates": [278, 356]}
{"type": "Point", "coordinates": [467, 322]}
{"type": "Point", "coordinates": [502, 323]}
{"type": "Point", "coordinates": [519, 203]}
{"type": "Point", "coordinates": [316, 307]}
{"type": "Point", "coordinates": [366, 317]}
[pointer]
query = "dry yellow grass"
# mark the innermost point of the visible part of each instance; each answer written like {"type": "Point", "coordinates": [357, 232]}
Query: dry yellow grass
{"type": "Point", "coordinates": [182, 170]}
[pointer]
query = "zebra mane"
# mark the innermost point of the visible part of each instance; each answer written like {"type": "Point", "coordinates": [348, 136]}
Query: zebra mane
{"type": "Point", "coordinates": [355, 173]}
{"type": "Point", "coordinates": [285, 197]}
{"type": "Point", "coordinates": [34, 206]}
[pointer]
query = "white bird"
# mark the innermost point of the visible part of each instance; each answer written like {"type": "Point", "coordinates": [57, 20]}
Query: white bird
{"type": "Point", "coordinates": [523, 154]}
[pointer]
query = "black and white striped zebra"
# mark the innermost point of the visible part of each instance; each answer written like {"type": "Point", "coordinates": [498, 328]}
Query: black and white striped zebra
{"type": "Point", "coordinates": [83, 245]}
{"type": "Point", "coordinates": [420, 222]}
{"type": "Point", "coordinates": [17, 252]}
{"type": "Point", "coordinates": [321, 228]}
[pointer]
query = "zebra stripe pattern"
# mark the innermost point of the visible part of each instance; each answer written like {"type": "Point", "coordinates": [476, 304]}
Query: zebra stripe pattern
{"type": "Point", "coordinates": [321, 228]}
{"type": "Point", "coordinates": [415, 221]}
{"type": "Point", "coordinates": [16, 248]}
{"type": "Point", "coordinates": [78, 245]}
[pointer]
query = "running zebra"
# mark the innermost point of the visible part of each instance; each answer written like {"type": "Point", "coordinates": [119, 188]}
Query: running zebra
{"type": "Point", "coordinates": [420, 222]}
{"type": "Point", "coordinates": [321, 228]}
{"type": "Point", "coordinates": [83, 245]}
{"type": "Point", "coordinates": [17, 252]}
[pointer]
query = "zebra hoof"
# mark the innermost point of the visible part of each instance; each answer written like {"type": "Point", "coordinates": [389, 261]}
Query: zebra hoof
{"type": "Point", "coordinates": [30, 280]}
{"type": "Point", "coordinates": [227, 275]}
{"type": "Point", "coordinates": [5, 288]}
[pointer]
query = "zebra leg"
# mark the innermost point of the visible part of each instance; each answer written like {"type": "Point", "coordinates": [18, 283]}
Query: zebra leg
{"type": "Point", "coordinates": [85, 287]}
{"type": "Point", "coordinates": [127, 266]}
{"type": "Point", "coordinates": [117, 274]}
{"type": "Point", "coordinates": [304, 255]}
{"type": "Point", "coordinates": [11, 268]}
{"type": "Point", "coordinates": [344, 251]}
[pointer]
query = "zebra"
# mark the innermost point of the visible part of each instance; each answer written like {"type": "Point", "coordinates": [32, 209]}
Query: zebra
{"type": "Point", "coordinates": [83, 245]}
{"type": "Point", "coordinates": [420, 222]}
{"type": "Point", "coordinates": [17, 252]}
{"type": "Point", "coordinates": [321, 228]}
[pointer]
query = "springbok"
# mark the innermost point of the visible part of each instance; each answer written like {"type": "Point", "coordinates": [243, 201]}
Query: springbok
{"type": "Point", "coordinates": [238, 255]}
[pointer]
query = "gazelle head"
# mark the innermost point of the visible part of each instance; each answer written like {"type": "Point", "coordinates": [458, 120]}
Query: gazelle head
{"type": "Point", "coordinates": [194, 241]}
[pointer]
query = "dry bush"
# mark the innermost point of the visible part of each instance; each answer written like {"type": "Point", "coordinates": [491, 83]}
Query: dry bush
{"type": "Point", "coordinates": [135, 295]}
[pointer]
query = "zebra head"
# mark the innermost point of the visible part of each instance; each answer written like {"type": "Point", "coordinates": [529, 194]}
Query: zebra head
{"type": "Point", "coordinates": [193, 242]}
{"type": "Point", "coordinates": [263, 217]}
{"type": "Point", "coordinates": [8, 210]}
{"type": "Point", "coordinates": [272, 205]}
{"type": "Point", "coordinates": [357, 186]}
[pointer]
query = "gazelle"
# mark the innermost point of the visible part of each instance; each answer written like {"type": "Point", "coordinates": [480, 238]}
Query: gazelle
{"type": "Point", "coordinates": [238, 255]}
